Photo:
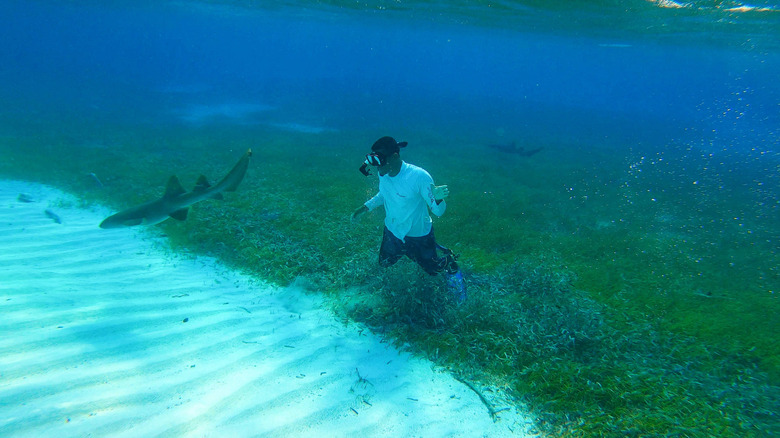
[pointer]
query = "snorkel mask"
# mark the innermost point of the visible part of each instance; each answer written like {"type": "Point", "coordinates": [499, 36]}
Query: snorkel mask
{"type": "Point", "coordinates": [382, 150]}
{"type": "Point", "coordinates": [374, 160]}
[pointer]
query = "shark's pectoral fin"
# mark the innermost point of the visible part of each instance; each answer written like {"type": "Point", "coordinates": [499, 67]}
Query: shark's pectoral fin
{"type": "Point", "coordinates": [174, 188]}
{"type": "Point", "coordinates": [180, 215]}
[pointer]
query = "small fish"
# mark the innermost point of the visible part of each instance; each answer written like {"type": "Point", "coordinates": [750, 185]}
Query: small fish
{"type": "Point", "coordinates": [23, 197]}
{"type": "Point", "coordinates": [53, 216]}
{"type": "Point", "coordinates": [95, 179]}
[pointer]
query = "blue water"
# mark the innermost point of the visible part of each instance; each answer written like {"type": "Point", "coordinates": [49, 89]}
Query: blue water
{"type": "Point", "coordinates": [368, 68]}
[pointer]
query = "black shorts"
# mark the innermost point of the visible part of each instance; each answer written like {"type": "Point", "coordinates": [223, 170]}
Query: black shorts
{"type": "Point", "coordinates": [420, 249]}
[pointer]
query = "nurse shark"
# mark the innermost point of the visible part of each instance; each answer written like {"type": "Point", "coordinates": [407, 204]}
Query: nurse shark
{"type": "Point", "coordinates": [512, 148]}
{"type": "Point", "coordinates": [176, 201]}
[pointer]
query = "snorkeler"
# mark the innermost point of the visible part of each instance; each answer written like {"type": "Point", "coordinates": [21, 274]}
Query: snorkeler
{"type": "Point", "coordinates": [407, 192]}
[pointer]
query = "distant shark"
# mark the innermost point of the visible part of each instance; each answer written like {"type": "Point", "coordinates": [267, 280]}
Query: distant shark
{"type": "Point", "coordinates": [512, 148]}
{"type": "Point", "coordinates": [176, 201]}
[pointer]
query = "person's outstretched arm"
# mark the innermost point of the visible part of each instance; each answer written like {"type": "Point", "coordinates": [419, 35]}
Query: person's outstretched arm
{"type": "Point", "coordinates": [357, 213]}
{"type": "Point", "coordinates": [371, 204]}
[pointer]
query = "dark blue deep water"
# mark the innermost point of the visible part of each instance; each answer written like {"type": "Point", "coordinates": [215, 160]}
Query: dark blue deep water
{"type": "Point", "coordinates": [672, 78]}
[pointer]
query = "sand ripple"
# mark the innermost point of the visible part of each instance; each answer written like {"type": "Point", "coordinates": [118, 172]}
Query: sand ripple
{"type": "Point", "coordinates": [93, 341]}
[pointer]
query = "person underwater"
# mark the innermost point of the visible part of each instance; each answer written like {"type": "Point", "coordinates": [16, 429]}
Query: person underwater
{"type": "Point", "coordinates": [407, 193]}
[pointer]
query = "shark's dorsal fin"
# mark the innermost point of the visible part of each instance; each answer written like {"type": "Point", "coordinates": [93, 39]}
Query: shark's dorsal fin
{"type": "Point", "coordinates": [202, 184]}
{"type": "Point", "coordinates": [174, 188]}
{"type": "Point", "coordinates": [180, 215]}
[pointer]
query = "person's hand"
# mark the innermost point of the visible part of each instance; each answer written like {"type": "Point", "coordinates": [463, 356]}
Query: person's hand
{"type": "Point", "coordinates": [440, 192]}
{"type": "Point", "coordinates": [357, 213]}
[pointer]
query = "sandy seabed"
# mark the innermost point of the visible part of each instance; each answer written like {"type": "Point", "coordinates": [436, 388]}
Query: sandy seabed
{"type": "Point", "coordinates": [107, 333]}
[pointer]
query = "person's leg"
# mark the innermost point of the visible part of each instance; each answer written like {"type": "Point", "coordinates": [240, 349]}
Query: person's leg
{"type": "Point", "coordinates": [449, 260]}
{"type": "Point", "coordinates": [423, 251]}
{"type": "Point", "coordinates": [391, 250]}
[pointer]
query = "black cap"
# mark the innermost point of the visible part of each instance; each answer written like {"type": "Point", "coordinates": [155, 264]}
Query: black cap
{"type": "Point", "coordinates": [387, 146]}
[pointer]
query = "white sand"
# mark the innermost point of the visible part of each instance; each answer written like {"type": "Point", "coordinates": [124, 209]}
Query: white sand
{"type": "Point", "coordinates": [93, 343]}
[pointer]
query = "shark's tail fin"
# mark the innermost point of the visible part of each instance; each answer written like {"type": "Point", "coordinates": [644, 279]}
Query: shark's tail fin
{"type": "Point", "coordinates": [233, 179]}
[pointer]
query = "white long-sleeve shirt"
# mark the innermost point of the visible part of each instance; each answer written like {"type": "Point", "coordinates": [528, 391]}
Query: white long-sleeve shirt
{"type": "Point", "coordinates": [407, 198]}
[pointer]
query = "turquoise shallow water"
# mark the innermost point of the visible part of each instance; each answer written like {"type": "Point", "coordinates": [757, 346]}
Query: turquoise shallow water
{"type": "Point", "coordinates": [657, 184]}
